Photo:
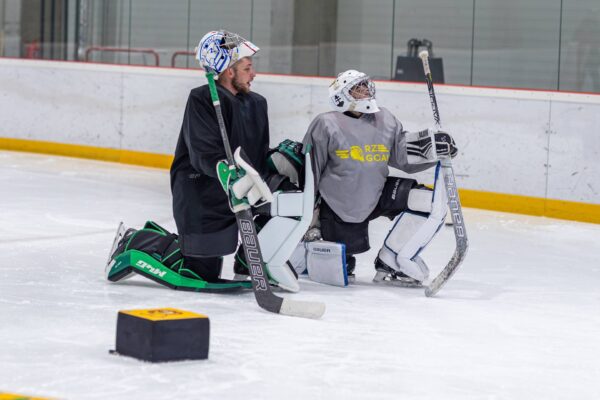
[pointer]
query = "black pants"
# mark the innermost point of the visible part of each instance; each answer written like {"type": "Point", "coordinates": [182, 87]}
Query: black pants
{"type": "Point", "coordinates": [393, 200]}
{"type": "Point", "coordinates": [207, 268]}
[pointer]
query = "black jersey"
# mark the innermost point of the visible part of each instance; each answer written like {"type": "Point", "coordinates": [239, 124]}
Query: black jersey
{"type": "Point", "coordinates": [205, 224]}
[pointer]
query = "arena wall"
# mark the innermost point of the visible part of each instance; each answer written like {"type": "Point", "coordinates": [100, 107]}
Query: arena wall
{"type": "Point", "coordinates": [532, 152]}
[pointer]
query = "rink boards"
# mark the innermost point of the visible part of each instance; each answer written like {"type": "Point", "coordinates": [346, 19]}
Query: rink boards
{"type": "Point", "coordinates": [532, 152]}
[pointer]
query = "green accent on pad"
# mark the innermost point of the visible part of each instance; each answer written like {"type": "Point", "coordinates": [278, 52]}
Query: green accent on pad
{"type": "Point", "coordinates": [174, 252]}
{"type": "Point", "coordinates": [224, 174]}
{"type": "Point", "coordinates": [150, 267]}
{"type": "Point", "coordinates": [287, 147]}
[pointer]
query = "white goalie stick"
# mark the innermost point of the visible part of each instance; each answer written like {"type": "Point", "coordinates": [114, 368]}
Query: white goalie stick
{"type": "Point", "coordinates": [260, 282]}
{"type": "Point", "coordinates": [460, 233]}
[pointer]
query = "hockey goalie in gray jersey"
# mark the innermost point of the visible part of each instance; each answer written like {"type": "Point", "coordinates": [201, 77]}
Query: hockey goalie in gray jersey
{"type": "Point", "coordinates": [352, 148]}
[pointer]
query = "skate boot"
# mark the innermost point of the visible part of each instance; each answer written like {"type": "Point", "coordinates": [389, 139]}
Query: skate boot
{"type": "Point", "coordinates": [350, 267]}
{"type": "Point", "coordinates": [122, 236]}
{"type": "Point", "coordinates": [386, 274]}
{"type": "Point", "coordinates": [128, 232]}
{"type": "Point", "coordinates": [240, 270]}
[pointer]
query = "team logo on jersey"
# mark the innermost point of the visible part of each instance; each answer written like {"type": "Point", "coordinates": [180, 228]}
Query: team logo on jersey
{"type": "Point", "coordinates": [367, 153]}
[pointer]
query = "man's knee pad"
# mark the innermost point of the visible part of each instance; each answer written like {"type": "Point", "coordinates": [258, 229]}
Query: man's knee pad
{"type": "Point", "coordinates": [413, 230]}
{"type": "Point", "coordinates": [395, 195]}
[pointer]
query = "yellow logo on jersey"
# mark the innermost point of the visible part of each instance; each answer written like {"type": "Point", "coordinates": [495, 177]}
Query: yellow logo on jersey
{"type": "Point", "coordinates": [366, 153]}
{"type": "Point", "coordinates": [356, 153]}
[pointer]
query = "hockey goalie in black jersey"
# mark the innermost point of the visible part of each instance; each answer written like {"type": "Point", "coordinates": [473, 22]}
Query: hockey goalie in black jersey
{"type": "Point", "coordinates": [352, 148]}
{"type": "Point", "coordinates": [207, 191]}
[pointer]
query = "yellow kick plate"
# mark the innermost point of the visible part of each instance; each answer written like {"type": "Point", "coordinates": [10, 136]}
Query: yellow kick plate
{"type": "Point", "coordinates": [162, 314]}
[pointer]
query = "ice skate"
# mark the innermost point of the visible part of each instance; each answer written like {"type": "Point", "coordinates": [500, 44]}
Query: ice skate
{"type": "Point", "coordinates": [240, 271]}
{"type": "Point", "coordinates": [350, 267]}
{"type": "Point", "coordinates": [388, 275]}
{"type": "Point", "coordinates": [118, 242]}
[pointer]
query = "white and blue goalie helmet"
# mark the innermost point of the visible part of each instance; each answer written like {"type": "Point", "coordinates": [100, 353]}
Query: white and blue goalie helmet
{"type": "Point", "coordinates": [353, 91]}
{"type": "Point", "coordinates": [218, 50]}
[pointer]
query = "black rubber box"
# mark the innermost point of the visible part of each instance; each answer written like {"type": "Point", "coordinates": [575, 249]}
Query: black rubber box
{"type": "Point", "coordinates": [163, 334]}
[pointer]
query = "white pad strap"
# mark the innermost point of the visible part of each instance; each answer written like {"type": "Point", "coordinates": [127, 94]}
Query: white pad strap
{"type": "Point", "coordinates": [412, 232]}
{"type": "Point", "coordinates": [250, 185]}
{"type": "Point", "coordinates": [420, 200]}
{"type": "Point", "coordinates": [287, 204]}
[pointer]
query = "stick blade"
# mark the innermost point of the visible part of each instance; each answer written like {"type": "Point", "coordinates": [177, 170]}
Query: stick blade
{"type": "Point", "coordinates": [445, 275]}
{"type": "Point", "coordinates": [304, 309]}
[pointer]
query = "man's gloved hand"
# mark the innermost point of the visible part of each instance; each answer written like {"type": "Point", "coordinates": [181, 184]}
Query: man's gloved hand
{"type": "Point", "coordinates": [420, 149]}
{"type": "Point", "coordinates": [242, 184]}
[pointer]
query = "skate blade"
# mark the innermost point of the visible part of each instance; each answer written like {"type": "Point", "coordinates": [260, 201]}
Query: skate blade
{"type": "Point", "coordinates": [241, 277]}
{"type": "Point", "coordinates": [118, 237]}
{"type": "Point", "coordinates": [384, 278]}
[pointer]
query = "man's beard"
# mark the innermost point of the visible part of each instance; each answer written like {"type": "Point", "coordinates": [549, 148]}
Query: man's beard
{"type": "Point", "coordinates": [237, 85]}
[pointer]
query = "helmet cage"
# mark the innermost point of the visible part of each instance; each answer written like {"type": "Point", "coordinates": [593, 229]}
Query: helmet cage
{"type": "Point", "coordinates": [362, 84]}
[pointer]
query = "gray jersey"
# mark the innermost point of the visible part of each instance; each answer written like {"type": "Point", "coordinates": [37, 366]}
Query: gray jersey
{"type": "Point", "coordinates": [351, 158]}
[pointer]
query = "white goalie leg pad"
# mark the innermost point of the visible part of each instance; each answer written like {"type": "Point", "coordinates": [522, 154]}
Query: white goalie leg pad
{"type": "Point", "coordinates": [412, 231]}
{"type": "Point", "coordinates": [402, 245]}
{"type": "Point", "coordinates": [292, 213]}
{"type": "Point", "coordinates": [298, 259]}
{"type": "Point", "coordinates": [326, 262]}
{"type": "Point", "coordinates": [277, 243]}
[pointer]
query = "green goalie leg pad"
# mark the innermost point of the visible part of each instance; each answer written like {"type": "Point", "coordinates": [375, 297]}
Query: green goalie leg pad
{"type": "Point", "coordinates": [141, 263]}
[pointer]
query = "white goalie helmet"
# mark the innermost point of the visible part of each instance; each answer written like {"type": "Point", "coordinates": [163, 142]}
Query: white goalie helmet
{"type": "Point", "coordinates": [353, 91]}
{"type": "Point", "coordinates": [218, 50]}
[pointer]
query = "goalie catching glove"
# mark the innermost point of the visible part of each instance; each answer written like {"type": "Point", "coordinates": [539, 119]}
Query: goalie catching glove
{"type": "Point", "coordinates": [242, 183]}
{"type": "Point", "coordinates": [429, 146]}
{"type": "Point", "coordinates": [287, 159]}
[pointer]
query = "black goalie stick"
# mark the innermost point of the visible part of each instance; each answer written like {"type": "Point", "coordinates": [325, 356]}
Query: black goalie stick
{"type": "Point", "coordinates": [245, 221]}
{"type": "Point", "coordinates": [460, 233]}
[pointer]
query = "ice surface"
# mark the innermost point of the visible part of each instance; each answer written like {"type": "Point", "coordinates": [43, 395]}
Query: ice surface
{"type": "Point", "coordinates": [519, 320]}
